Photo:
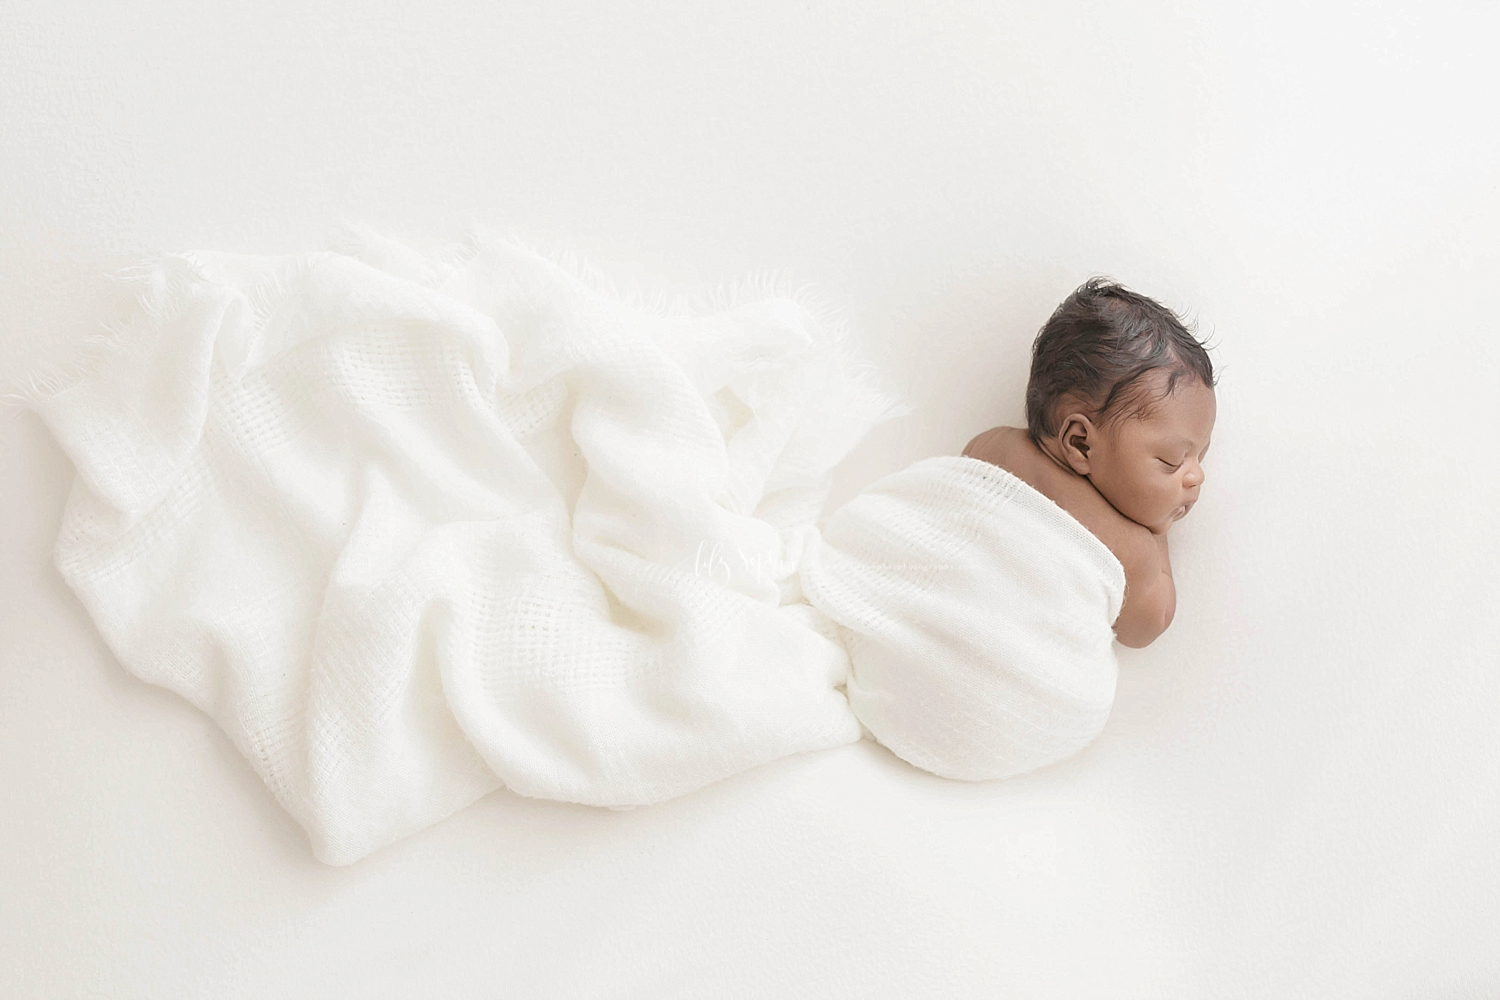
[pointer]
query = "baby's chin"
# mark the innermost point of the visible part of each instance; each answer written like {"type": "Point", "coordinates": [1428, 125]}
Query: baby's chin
{"type": "Point", "coordinates": [1155, 521]}
{"type": "Point", "coordinates": [1159, 525]}
{"type": "Point", "coordinates": [1176, 515]}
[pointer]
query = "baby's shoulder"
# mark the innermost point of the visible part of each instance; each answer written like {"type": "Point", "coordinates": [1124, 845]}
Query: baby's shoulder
{"type": "Point", "coordinates": [1012, 449]}
{"type": "Point", "coordinates": [999, 446]}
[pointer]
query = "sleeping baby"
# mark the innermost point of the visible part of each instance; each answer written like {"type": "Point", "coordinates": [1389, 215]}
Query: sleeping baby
{"type": "Point", "coordinates": [1119, 411]}
{"type": "Point", "coordinates": [980, 595]}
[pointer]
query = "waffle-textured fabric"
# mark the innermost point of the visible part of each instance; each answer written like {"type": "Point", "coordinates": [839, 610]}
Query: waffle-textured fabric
{"type": "Point", "coordinates": [411, 527]}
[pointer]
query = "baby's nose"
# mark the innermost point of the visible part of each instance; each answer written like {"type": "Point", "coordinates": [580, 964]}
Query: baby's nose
{"type": "Point", "coordinates": [1194, 476]}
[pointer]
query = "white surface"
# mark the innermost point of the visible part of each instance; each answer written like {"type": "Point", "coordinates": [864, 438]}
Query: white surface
{"type": "Point", "coordinates": [1297, 793]}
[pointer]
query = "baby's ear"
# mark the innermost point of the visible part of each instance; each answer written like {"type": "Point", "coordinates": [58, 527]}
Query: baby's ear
{"type": "Point", "coordinates": [1076, 441]}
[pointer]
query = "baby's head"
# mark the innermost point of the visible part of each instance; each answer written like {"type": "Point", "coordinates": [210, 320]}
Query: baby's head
{"type": "Point", "coordinates": [1122, 392]}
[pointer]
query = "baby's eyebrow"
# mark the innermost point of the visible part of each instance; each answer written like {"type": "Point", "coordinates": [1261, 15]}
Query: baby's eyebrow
{"type": "Point", "coordinates": [1186, 445]}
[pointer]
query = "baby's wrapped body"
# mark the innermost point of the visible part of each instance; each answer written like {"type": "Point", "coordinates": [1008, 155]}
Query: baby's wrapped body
{"type": "Point", "coordinates": [412, 529]}
{"type": "Point", "coordinates": [977, 616]}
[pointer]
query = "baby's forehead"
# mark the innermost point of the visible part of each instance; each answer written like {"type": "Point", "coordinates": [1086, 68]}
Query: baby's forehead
{"type": "Point", "coordinates": [1166, 388]}
{"type": "Point", "coordinates": [1180, 402]}
{"type": "Point", "coordinates": [1183, 417]}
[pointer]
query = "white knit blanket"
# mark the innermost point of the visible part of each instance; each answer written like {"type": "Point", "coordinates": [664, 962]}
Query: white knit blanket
{"type": "Point", "coordinates": [412, 527]}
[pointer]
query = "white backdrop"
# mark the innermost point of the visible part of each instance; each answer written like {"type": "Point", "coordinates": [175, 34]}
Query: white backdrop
{"type": "Point", "coordinates": [1298, 794]}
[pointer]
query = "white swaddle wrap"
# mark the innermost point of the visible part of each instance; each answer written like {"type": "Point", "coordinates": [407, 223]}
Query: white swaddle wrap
{"type": "Point", "coordinates": [977, 615]}
{"type": "Point", "coordinates": [414, 527]}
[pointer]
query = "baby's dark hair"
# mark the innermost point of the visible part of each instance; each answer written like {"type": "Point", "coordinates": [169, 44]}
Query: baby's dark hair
{"type": "Point", "coordinates": [1098, 345]}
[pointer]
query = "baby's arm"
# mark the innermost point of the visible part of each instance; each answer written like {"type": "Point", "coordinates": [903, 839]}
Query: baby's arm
{"type": "Point", "coordinates": [1154, 601]}
{"type": "Point", "coordinates": [1150, 595]}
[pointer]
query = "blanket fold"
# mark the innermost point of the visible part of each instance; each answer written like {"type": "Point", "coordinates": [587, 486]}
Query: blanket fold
{"type": "Point", "coordinates": [412, 527]}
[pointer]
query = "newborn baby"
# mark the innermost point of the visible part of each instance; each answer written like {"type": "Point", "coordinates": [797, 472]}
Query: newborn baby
{"type": "Point", "coordinates": [1119, 410]}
